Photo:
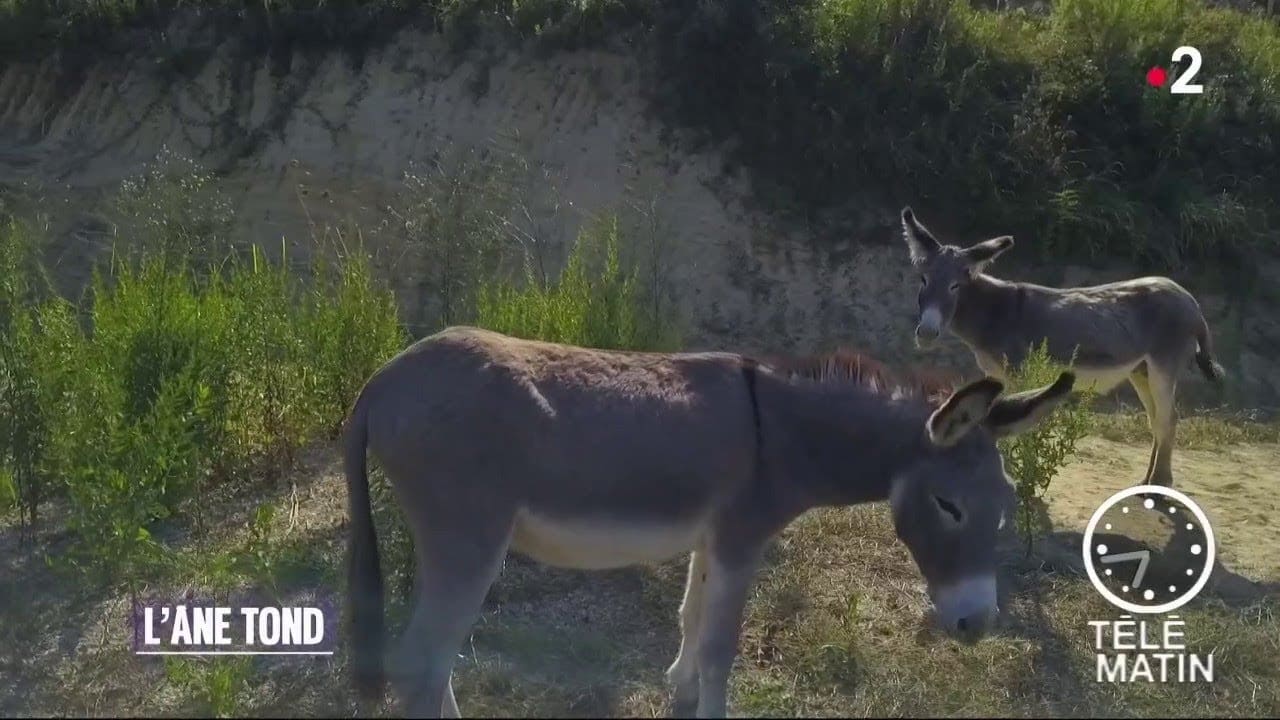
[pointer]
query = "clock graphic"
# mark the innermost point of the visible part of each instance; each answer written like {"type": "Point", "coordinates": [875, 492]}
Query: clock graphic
{"type": "Point", "coordinates": [1149, 549]}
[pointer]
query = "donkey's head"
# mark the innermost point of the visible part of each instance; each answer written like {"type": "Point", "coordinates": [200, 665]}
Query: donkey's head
{"type": "Point", "coordinates": [951, 502]}
{"type": "Point", "coordinates": [944, 272]}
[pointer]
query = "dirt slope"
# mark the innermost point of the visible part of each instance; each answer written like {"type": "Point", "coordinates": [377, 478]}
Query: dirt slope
{"type": "Point", "coordinates": [317, 140]}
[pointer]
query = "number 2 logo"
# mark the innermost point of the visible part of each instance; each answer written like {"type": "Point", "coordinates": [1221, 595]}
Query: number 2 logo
{"type": "Point", "coordinates": [1182, 85]}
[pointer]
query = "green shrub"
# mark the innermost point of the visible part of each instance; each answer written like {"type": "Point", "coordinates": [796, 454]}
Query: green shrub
{"type": "Point", "coordinates": [8, 491]}
{"type": "Point", "coordinates": [146, 428]}
{"type": "Point", "coordinates": [30, 29]}
{"type": "Point", "coordinates": [351, 328]}
{"type": "Point", "coordinates": [68, 392]}
{"type": "Point", "coordinates": [272, 410]}
{"type": "Point", "coordinates": [1000, 122]}
{"type": "Point", "coordinates": [188, 364]}
{"type": "Point", "coordinates": [594, 303]}
{"type": "Point", "coordinates": [179, 379]}
{"type": "Point", "coordinates": [1034, 458]}
{"type": "Point", "coordinates": [23, 408]}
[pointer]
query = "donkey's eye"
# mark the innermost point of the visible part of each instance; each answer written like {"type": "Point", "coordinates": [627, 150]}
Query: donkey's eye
{"type": "Point", "coordinates": [955, 286]}
{"type": "Point", "coordinates": [949, 508]}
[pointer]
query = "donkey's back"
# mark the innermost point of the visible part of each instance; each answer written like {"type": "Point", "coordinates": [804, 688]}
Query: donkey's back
{"type": "Point", "coordinates": [477, 421]}
{"type": "Point", "coordinates": [1117, 323]}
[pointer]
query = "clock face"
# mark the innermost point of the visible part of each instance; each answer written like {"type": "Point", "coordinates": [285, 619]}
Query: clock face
{"type": "Point", "coordinates": [1149, 549]}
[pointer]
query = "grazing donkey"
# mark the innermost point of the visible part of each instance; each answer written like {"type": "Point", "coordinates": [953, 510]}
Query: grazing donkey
{"type": "Point", "coordinates": [1145, 329]}
{"type": "Point", "coordinates": [595, 459]}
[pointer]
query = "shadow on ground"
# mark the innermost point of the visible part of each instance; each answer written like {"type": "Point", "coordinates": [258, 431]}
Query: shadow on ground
{"type": "Point", "coordinates": [1061, 551]}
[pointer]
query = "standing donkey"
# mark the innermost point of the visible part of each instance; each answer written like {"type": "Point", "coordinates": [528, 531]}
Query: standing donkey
{"type": "Point", "coordinates": [594, 459]}
{"type": "Point", "coordinates": [1145, 330]}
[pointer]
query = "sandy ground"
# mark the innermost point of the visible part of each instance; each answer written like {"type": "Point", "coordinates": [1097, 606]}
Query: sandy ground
{"type": "Point", "coordinates": [1234, 485]}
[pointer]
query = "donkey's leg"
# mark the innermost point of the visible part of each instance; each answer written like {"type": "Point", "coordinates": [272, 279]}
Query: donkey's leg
{"type": "Point", "coordinates": [1164, 387]}
{"type": "Point", "coordinates": [1142, 388]}
{"type": "Point", "coordinates": [454, 576]}
{"type": "Point", "coordinates": [727, 586]}
{"type": "Point", "coordinates": [683, 673]}
{"type": "Point", "coordinates": [450, 706]}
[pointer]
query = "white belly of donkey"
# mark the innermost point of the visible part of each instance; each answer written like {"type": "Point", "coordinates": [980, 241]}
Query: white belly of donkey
{"type": "Point", "coordinates": [1098, 379]}
{"type": "Point", "coordinates": [589, 544]}
{"type": "Point", "coordinates": [1102, 379]}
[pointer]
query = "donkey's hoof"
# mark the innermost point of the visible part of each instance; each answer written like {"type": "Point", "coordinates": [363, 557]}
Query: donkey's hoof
{"type": "Point", "coordinates": [1160, 500]}
{"type": "Point", "coordinates": [686, 708]}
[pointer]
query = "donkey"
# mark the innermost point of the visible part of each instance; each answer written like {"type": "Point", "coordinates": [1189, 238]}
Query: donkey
{"type": "Point", "coordinates": [1145, 329]}
{"type": "Point", "coordinates": [593, 459]}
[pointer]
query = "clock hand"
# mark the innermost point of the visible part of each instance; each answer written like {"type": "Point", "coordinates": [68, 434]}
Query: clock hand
{"type": "Point", "coordinates": [1142, 556]}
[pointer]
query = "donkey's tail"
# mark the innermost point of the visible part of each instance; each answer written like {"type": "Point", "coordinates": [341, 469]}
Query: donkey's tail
{"type": "Point", "coordinates": [364, 571]}
{"type": "Point", "coordinates": [1204, 353]}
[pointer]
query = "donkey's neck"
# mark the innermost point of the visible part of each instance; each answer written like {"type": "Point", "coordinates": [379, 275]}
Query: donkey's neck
{"type": "Point", "coordinates": [834, 445]}
{"type": "Point", "coordinates": [990, 314]}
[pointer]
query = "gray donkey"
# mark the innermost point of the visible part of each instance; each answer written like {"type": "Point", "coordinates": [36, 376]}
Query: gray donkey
{"type": "Point", "coordinates": [594, 459]}
{"type": "Point", "coordinates": [1145, 330]}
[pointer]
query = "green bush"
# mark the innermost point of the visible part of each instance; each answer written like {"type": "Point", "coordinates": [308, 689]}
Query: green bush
{"type": "Point", "coordinates": [29, 29]}
{"type": "Point", "coordinates": [177, 380]}
{"type": "Point", "coordinates": [155, 382]}
{"type": "Point", "coordinates": [1034, 458]}
{"type": "Point", "coordinates": [351, 328]}
{"type": "Point", "coordinates": [23, 406]}
{"type": "Point", "coordinates": [1000, 122]}
{"type": "Point", "coordinates": [594, 303]}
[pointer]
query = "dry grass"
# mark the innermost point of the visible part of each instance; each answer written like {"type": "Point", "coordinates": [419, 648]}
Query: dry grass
{"type": "Point", "coordinates": [1196, 432]}
{"type": "Point", "coordinates": [833, 629]}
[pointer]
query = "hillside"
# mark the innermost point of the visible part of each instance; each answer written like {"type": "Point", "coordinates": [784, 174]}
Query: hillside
{"type": "Point", "coordinates": [774, 225]}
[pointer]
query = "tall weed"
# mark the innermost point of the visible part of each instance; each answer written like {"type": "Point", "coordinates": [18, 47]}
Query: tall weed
{"type": "Point", "coordinates": [595, 302]}
{"type": "Point", "coordinates": [180, 380]}
{"type": "Point", "coordinates": [24, 413]}
{"type": "Point", "coordinates": [1034, 458]}
{"type": "Point", "coordinates": [351, 327]}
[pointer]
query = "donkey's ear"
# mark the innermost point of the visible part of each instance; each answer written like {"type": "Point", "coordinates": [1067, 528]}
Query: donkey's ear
{"type": "Point", "coordinates": [984, 252]}
{"type": "Point", "coordinates": [963, 411]}
{"type": "Point", "coordinates": [1020, 412]}
{"type": "Point", "coordinates": [922, 244]}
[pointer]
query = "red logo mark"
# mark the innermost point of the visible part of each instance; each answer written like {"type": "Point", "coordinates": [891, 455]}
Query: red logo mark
{"type": "Point", "coordinates": [1156, 76]}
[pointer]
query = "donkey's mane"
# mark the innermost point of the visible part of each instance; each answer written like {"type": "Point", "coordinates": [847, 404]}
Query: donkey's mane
{"type": "Point", "coordinates": [848, 365]}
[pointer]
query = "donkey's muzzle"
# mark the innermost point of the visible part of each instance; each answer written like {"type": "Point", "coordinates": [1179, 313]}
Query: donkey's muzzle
{"type": "Point", "coordinates": [967, 610]}
{"type": "Point", "coordinates": [929, 327]}
{"type": "Point", "coordinates": [925, 336]}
